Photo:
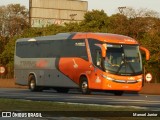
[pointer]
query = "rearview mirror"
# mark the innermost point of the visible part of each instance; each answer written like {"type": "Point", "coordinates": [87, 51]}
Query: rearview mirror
{"type": "Point", "coordinates": [146, 52]}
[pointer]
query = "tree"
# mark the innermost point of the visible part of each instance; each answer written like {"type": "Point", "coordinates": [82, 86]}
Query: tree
{"type": "Point", "coordinates": [118, 24]}
{"type": "Point", "coordinates": [14, 19]}
{"type": "Point", "coordinates": [95, 21]}
{"type": "Point", "coordinates": [130, 12]}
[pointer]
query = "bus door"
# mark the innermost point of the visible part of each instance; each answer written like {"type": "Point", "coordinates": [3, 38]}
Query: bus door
{"type": "Point", "coordinates": [96, 75]}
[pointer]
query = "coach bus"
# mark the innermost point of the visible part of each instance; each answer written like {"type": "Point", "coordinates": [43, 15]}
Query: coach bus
{"type": "Point", "coordinates": [89, 61]}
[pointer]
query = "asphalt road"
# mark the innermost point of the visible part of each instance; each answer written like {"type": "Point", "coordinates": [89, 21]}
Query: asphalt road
{"type": "Point", "coordinates": [138, 100]}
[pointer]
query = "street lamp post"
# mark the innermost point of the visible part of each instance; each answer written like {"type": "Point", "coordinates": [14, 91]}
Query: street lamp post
{"type": "Point", "coordinates": [121, 9]}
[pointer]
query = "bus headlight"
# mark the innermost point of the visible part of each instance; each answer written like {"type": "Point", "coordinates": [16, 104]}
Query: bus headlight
{"type": "Point", "coordinates": [108, 78]}
{"type": "Point", "coordinates": [139, 80]}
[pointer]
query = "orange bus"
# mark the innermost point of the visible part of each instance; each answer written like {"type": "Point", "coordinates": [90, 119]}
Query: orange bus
{"type": "Point", "coordinates": [89, 61]}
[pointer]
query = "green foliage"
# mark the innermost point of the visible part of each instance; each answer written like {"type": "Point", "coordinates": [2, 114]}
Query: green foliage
{"type": "Point", "coordinates": [95, 21]}
{"type": "Point", "coordinates": [14, 19]}
{"type": "Point", "coordinates": [146, 30]}
{"type": "Point", "coordinates": [118, 24]}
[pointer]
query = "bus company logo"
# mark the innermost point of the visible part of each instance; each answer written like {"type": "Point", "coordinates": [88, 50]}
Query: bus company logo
{"type": "Point", "coordinates": [75, 65]}
{"type": "Point", "coordinates": [131, 78]}
{"type": "Point", "coordinates": [20, 115]}
{"type": "Point", "coordinates": [28, 63]}
{"type": "Point", "coordinates": [80, 44]}
{"type": "Point", "coordinates": [98, 80]}
{"type": "Point", "coordinates": [42, 63]}
{"type": "Point", "coordinates": [6, 114]}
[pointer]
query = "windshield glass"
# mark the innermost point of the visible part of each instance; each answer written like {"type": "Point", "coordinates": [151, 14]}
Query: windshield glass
{"type": "Point", "coordinates": [123, 60]}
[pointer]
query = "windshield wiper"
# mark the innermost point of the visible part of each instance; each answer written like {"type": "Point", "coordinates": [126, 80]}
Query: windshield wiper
{"type": "Point", "coordinates": [125, 64]}
{"type": "Point", "coordinates": [131, 67]}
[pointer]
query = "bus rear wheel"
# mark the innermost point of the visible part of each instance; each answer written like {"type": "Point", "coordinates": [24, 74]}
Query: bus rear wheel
{"type": "Point", "coordinates": [32, 84]}
{"type": "Point", "coordinates": [84, 86]}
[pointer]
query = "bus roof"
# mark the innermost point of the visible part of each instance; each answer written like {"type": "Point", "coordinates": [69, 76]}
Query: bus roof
{"type": "Point", "coordinates": [60, 36]}
{"type": "Point", "coordinates": [104, 37]}
{"type": "Point", "coordinates": [107, 37]}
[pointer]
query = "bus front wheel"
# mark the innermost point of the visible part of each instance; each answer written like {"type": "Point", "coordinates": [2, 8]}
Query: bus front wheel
{"type": "Point", "coordinates": [84, 86]}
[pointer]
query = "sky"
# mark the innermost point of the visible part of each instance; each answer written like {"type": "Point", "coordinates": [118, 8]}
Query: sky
{"type": "Point", "coordinates": [109, 6]}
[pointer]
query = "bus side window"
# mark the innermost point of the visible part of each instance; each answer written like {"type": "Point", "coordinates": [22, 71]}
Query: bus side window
{"type": "Point", "coordinates": [98, 58]}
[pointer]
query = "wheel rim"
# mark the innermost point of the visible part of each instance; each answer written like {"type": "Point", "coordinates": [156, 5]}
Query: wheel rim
{"type": "Point", "coordinates": [84, 86]}
{"type": "Point", "coordinates": [32, 85]}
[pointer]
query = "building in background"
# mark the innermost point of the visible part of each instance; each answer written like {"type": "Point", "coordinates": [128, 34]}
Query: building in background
{"type": "Point", "coordinates": [47, 12]}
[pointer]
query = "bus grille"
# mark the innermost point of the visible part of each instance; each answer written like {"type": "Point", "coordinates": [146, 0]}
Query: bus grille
{"type": "Point", "coordinates": [126, 81]}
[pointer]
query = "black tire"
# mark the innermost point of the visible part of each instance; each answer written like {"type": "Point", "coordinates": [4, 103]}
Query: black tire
{"type": "Point", "coordinates": [62, 90]}
{"type": "Point", "coordinates": [32, 84]}
{"type": "Point", "coordinates": [118, 93]}
{"type": "Point", "coordinates": [84, 87]}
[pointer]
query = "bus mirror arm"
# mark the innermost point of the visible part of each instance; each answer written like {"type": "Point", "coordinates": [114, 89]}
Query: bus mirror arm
{"type": "Point", "coordinates": [103, 49]}
{"type": "Point", "coordinates": [146, 52]}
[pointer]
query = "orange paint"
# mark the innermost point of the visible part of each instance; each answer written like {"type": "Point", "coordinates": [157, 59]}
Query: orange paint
{"type": "Point", "coordinates": [109, 38]}
{"type": "Point", "coordinates": [75, 67]}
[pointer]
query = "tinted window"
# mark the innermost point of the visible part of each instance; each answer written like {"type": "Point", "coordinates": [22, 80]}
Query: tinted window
{"type": "Point", "coordinates": [93, 49]}
{"type": "Point", "coordinates": [56, 48]}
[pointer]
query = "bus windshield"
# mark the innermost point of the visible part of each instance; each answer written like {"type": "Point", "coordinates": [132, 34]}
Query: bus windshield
{"type": "Point", "coordinates": [123, 60]}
